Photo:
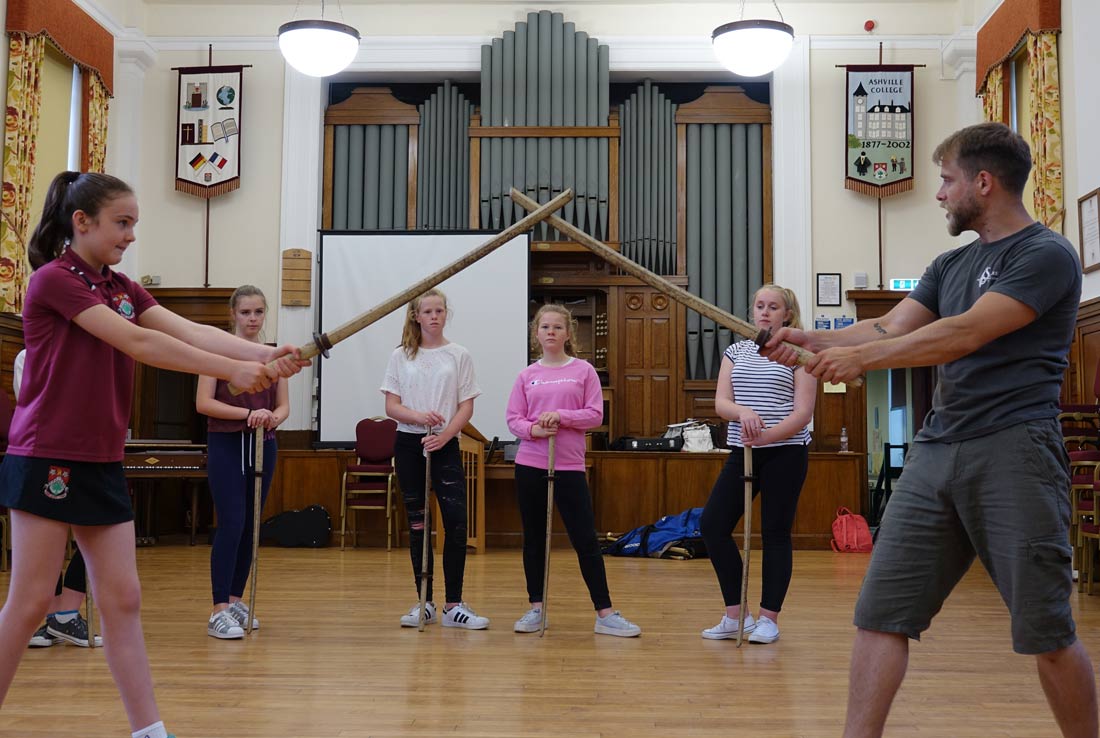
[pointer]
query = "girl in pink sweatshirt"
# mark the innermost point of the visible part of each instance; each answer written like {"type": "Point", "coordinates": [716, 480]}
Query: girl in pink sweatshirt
{"type": "Point", "coordinates": [559, 395]}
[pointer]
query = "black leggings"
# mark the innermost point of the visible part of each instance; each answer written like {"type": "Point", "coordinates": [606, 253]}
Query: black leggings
{"type": "Point", "coordinates": [449, 484]}
{"type": "Point", "coordinates": [574, 504]}
{"type": "Point", "coordinates": [780, 472]}
{"type": "Point", "coordinates": [74, 578]}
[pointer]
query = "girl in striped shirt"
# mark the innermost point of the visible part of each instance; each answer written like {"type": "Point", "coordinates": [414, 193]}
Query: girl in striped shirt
{"type": "Point", "coordinates": [769, 407]}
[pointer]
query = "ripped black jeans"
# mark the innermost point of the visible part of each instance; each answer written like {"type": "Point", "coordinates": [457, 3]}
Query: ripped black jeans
{"type": "Point", "coordinates": [449, 487]}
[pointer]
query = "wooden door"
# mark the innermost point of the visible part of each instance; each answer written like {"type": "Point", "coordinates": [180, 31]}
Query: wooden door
{"type": "Point", "coordinates": [649, 361]}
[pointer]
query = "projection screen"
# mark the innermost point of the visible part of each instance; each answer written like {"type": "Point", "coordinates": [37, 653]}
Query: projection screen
{"type": "Point", "coordinates": [488, 315]}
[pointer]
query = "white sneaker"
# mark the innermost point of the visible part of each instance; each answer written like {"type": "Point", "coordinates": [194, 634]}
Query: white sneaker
{"type": "Point", "coordinates": [530, 621]}
{"type": "Point", "coordinates": [461, 616]}
{"type": "Point", "coordinates": [412, 618]}
{"type": "Point", "coordinates": [766, 631]}
{"type": "Point", "coordinates": [615, 624]}
{"type": "Point", "coordinates": [728, 628]}
{"type": "Point", "coordinates": [222, 625]}
{"type": "Point", "coordinates": [239, 611]}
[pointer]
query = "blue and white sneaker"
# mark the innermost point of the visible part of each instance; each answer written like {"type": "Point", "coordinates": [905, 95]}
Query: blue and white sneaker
{"type": "Point", "coordinates": [224, 626]}
{"type": "Point", "coordinates": [239, 611]}
{"type": "Point", "coordinates": [461, 616]}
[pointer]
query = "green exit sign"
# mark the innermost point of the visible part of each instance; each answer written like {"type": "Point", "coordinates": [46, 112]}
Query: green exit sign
{"type": "Point", "coordinates": [903, 284]}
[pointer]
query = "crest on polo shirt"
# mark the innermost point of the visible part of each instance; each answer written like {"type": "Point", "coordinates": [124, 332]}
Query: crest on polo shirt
{"type": "Point", "coordinates": [123, 305]}
{"type": "Point", "coordinates": [57, 483]}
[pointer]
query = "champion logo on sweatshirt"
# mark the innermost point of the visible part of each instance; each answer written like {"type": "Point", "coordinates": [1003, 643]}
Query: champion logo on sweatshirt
{"type": "Point", "coordinates": [563, 380]}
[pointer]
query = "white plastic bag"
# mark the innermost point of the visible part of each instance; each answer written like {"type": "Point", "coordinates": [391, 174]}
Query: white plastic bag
{"type": "Point", "coordinates": [697, 438]}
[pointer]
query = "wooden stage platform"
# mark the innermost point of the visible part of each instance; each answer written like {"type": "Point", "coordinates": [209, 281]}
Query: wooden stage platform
{"type": "Point", "coordinates": [331, 660]}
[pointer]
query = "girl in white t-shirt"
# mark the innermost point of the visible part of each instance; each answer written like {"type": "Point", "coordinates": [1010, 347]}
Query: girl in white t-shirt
{"type": "Point", "coordinates": [430, 389]}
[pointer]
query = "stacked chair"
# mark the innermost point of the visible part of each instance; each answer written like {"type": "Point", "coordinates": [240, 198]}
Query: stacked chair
{"type": "Point", "coordinates": [1081, 434]}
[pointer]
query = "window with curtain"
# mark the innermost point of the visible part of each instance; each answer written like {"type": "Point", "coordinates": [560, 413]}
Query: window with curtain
{"type": "Point", "coordinates": [1019, 105]}
{"type": "Point", "coordinates": [60, 108]}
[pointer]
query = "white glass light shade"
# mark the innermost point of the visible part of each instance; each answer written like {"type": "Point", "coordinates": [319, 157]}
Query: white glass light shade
{"type": "Point", "coordinates": [752, 48]}
{"type": "Point", "coordinates": [318, 47]}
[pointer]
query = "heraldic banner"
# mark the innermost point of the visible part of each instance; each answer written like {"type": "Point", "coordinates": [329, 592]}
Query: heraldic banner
{"type": "Point", "coordinates": [208, 130]}
{"type": "Point", "coordinates": [879, 146]}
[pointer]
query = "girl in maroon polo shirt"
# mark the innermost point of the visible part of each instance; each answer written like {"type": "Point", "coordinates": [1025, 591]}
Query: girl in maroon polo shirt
{"type": "Point", "coordinates": [230, 465]}
{"type": "Point", "coordinates": [84, 325]}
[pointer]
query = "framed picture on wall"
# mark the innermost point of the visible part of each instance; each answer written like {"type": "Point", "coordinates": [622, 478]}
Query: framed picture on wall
{"type": "Point", "coordinates": [1088, 221]}
{"type": "Point", "coordinates": [828, 289]}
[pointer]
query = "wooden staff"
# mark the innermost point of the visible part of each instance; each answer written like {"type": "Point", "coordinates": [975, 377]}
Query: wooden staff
{"type": "Point", "coordinates": [322, 342]}
{"type": "Point", "coordinates": [549, 527]}
{"type": "Point", "coordinates": [425, 553]}
{"type": "Point", "coordinates": [746, 546]}
{"type": "Point", "coordinates": [704, 308]}
{"type": "Point", "coordinates": [256, 501]}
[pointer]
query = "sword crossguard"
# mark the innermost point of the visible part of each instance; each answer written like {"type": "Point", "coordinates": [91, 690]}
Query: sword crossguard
{"type": "Point", "coordinates": [323, 344]}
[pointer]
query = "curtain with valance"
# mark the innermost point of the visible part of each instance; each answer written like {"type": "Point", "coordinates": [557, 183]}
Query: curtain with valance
{"type": "Point", "coordinates": [1046, 128]}
{"type": "Point", "coordinates": [94, 124]}
{"type": "Point", "coordinates": [993, 96]}
{"type": "Point", "coordinates": [26, 56]}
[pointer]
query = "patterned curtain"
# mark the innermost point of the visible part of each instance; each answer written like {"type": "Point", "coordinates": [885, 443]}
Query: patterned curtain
{"type": "Point", "coordinates": [993, 95]}
{"type": "Point", "coordinates": [20, 138]}
{"type": "Point", "coordinates": [1046, 128]}
{"type": "Point", "coordinates": [96, 100]}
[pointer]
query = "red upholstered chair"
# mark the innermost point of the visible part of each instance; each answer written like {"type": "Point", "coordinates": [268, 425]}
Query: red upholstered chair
{"type": "Point", "coordinates": [371, 482]}
{"type": "Point", "coordinates": [6, 412]}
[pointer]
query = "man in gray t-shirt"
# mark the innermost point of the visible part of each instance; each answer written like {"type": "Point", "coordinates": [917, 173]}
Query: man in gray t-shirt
{"type": "Point", "coordinates": [988, 477]}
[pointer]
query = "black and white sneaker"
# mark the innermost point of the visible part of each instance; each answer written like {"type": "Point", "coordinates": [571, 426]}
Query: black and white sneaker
{"type": "Point", "coordinates": [75, 631]}
{"type": "Point", "coordinates": [461, 616]}
{"type": "Point", "coordinates": [42, 639]}
{"type": "Point", "coordinates": [411, 619]}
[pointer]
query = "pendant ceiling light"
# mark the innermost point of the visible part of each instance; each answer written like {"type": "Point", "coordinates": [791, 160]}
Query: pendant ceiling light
{"type": "Point", "coordinates": [318, 48]}
{"type": "Point", "coordinates": [751, 48]}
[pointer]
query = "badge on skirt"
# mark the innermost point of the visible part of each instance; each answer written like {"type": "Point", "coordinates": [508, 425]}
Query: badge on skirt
{"type": "Point", "coordinates": [57, 483]}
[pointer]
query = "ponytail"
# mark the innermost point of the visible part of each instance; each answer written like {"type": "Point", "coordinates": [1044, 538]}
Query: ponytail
{"type": "Point", "coordinates": [69, 192]}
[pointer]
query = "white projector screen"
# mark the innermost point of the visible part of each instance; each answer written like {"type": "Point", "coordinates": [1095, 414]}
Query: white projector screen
{"type": "Point", "coordinates": [488, 315]}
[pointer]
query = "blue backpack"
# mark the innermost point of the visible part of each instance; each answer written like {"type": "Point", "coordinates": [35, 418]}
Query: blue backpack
{"type": "Point", "coordinates": [671, 537]}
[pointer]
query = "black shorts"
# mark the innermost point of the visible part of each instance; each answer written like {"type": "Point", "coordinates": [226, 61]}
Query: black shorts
{"type": "Point", "coordinates": [74, 492]}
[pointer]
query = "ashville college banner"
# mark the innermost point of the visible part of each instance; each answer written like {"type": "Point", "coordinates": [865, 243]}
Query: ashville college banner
{"type": "Point", "coordinates": [879, 142]}
{"type": "Point", "coordinates": [208, 130]}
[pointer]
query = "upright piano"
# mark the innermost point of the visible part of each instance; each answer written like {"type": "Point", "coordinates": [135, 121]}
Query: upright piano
{"type": "Point", "coordinates": [164, 459]}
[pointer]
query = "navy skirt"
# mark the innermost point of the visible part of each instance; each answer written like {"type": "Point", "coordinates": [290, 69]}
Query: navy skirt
{"type": "Point", "coordinates": [74, 492]}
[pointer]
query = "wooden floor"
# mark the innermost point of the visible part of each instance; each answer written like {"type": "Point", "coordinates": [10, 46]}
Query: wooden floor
{"type": "Point", "coordinates": [330, 659]}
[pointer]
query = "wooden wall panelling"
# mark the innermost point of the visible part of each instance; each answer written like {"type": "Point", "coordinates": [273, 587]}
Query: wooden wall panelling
{"type": "Point", "coordinates": [11, 343]}
{"type": "Point", "coordinates": [639, 488]}
{"type": "Point", "coordinates": [631, 489]}
{"type": "Point", "coordinates": [205, 305]}
{"type": "Point", "coordinates": [1084, 355]}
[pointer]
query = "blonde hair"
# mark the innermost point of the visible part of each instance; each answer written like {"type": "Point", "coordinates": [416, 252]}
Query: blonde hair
{"type": "Point", "coordinates": [245, 290]}
{"type": "Point", "coordinates": [794, 315]}
{"type": "Point", "coordinates": [570, 322]}
{"type": "Point", "coordinates": [411, 335]}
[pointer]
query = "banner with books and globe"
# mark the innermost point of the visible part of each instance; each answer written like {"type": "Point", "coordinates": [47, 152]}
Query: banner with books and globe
{"type": "Point", "coordinates": [879, 129]}
{"type": "Point", "coordinates": [208, 130]}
